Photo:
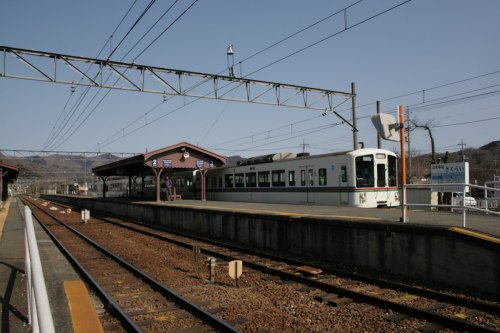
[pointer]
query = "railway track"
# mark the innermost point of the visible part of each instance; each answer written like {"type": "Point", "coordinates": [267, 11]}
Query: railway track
{"type": "Point", "coordinates": [441, 310]}
{"type": "Point", "coordinates": [433, 310]}
{"type": "Point", "coordinates": [138, 301]}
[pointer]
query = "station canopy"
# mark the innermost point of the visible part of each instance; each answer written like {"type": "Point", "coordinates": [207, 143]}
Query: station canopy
{"type": "Point", "coordinates": [8, 173]}
{"type": "Point", "coordinates": [182, 156]}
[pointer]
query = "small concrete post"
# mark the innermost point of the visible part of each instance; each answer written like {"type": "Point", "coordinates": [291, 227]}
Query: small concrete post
{"type": "Point", "coordinates": [211, 263]}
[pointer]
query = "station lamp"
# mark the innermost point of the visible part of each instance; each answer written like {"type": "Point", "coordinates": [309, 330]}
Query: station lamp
{"type": "Point", "coordinates": [230, 60]}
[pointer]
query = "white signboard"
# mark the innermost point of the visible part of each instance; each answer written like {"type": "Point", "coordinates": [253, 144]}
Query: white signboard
{"type": "Point", "coordinates": [449, 173]}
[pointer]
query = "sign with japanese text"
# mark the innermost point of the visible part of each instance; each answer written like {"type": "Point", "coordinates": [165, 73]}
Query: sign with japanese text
{"type": "Point", "coordinates": [167, 163]}
{"type": "Point", "coordinates": [449, 173]}
{"type": "Point", "coordinates": [199, 164]}
{"type": "Point", "coordinates": [154, 163]}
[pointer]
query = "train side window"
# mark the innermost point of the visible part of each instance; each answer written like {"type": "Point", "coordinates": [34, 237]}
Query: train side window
{"type": "Point", "coordinates": [291, 178]}
{"type": "Point", "coordinates": [278, 177]}
{"type": "Point", "coordinates": [392, 171]}
{"type": "Point", "coordinates": [343, 174]}
{"type": "Point", "coordinates": [238, 180]}
{"type": "Point", "coordinates": [250, 179]}
{"type": "Point", "coordinates": [381, 175]}
{"type": "Point", "coordinates": [303, 177]}
{"type": "Point", "coordinates": [311, 177]}
{"type": "Point", "coordinates": [322, 176]}
{"type": "Point", "coordinates": [220, 182]}
{"type": "Point", "coordinates": [228, 180]}
{"type": "Point", "coordinates": [263, 177]}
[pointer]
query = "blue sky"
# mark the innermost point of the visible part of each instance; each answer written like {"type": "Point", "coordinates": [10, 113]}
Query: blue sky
{"type": "Point", "coordinates": [417, 51]}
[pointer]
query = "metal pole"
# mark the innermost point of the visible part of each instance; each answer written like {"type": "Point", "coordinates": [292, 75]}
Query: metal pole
{"type": "Point", "coordinates": [379, 141]}
{"type": "Point", "coordinates": [463, 206]}
{"type": "Point", "coordinates": [401, 113]}
{"type": "Point", "coordinates": [409, 149]}
{"type": "Point", "coordinates": [354, 120]}
{"type": "Point", "coordinates": [41, 300]}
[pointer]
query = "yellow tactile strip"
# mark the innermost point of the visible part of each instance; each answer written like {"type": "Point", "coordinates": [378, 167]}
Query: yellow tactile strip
{"type": "Point", "coordinates": [475, 235]}
{"type": "Point", "coordinates": [82, 311]}
{"type": "Point", "coordinates": [3, 214]}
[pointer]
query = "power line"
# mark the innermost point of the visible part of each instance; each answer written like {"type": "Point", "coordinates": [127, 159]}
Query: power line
{"type": "Point", "coordinates": [343, 10]}
{"type": "Point", "coordinates": [166, 29]}
{"type": "Point", "coordinates": [249, 57]}
{"type": "Point", "coordinates": [330, 36]}
{"type": "Point", "coordinates": [53, 133]}
{"type": "Point", "coordinates": [291, 54]}
{"type": "Point", "coordinates": [133, 26]}
{"type": "Point", "coordinates": [49, 138]}
{"type": "Point", "coordinates": [65, 137]}
{"type": "Point", "coordinates": [468, 122]}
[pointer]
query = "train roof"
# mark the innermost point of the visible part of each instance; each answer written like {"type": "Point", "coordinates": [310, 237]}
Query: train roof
{"type": "Point", "coordinates": [276, 157]}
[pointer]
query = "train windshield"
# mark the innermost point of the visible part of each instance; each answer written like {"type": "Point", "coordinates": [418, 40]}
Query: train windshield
{"type": "Point", "coordinates": [365, 171]}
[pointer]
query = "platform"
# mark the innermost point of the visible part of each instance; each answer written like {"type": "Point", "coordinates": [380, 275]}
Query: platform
{"type": "Point", "coordinates": [57, 271]}
{"type": "Point", "coordinates": [488, 224]}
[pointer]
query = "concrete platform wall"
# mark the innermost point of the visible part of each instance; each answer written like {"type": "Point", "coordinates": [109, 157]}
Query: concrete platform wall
{"type": "Point", "coordinates": [416, 251]}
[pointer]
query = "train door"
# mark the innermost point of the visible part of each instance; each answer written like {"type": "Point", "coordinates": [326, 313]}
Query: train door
{"type": "Point", "coordinates": [307, 183]}
{"type": "Point", "coordinates": [382, 195]}
{"type": "Point", "coordinates": [343, 193]}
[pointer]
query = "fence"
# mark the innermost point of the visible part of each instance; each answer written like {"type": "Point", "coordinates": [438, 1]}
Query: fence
{"type": "Point", "coordinates": [39, 314]}
{"type": "Point", "coordinates": [484, 206]}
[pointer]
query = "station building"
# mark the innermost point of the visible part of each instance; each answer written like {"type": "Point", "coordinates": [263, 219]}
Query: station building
{"type": "Point", "coordinates": [8, 174]}
{"type": "Point", "coordinates": [159, 164]}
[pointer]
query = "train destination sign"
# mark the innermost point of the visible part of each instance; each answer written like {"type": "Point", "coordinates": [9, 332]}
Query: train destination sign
{"type": "Point", "coordinates": [449, 173]}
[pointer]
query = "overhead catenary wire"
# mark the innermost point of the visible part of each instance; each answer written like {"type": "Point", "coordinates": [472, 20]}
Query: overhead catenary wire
{"type": "Point", "coordinates": [62, 137]}
{"type": "Point", "coordinates": [67, 134]}
{"type": "Point", "coordinates": [151, 3]}
{"type": "Point", "coordinates": [49, 137]}
{"type": "Point", "coordinates": [311, 45]}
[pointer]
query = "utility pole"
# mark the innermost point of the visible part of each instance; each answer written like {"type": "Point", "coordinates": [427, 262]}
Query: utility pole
{"type": "Point", "coordinates": [379, 141]}
{"type": "Point", "coordinates": [408, 134]}
{"type": "Point", "coordinates": [354, 119]}
{"type": "Point", "coordinates": [303, 145]}
{"type": "Point", "coordinates": [463, 153]}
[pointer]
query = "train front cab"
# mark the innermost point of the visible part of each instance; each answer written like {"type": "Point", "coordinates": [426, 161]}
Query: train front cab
{"type": "Point", "coordinates": [376, 180]}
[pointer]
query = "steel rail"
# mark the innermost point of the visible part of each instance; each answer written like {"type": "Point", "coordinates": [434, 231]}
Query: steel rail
{"type": "Point", "coordinates": [122, 316]}
{"type": "Point", "coordinates": [358, 296]}
{"type": "Point", "coordinates": [206, 316]}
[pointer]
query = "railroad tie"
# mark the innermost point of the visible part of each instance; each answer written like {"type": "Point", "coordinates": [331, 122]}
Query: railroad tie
{"type": "Point", "coordinates": [335, 302]}
{"type": "Point", "coordinates": [430, 328]}
{"type": "Point", "coordinates": [396, 318]}
{"type": "Point", "coordinates": [468, 314]}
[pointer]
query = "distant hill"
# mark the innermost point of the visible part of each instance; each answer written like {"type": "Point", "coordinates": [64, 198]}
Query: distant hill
{"type": "Point", "coordinates": [74, 167]}
{"type": "Point", "coordinates": [484, 163]}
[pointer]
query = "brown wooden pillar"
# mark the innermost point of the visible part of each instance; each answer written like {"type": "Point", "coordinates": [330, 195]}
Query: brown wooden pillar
{"type": "Point", "coordinates": [104, 190]}
{"type": "Point", "coordinates": [1, 183]}
{"type": "Point", "coordinates": [158, 172]}
{"type": "Point", "coordinates": [203, 173]}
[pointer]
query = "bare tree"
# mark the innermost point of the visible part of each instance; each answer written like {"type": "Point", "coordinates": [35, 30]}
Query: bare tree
{"type": "Point", "coordinates": [428, 125]}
